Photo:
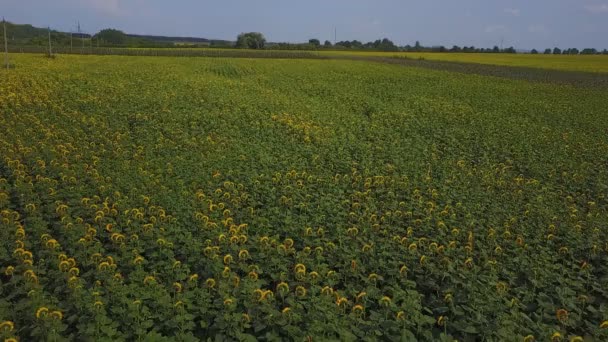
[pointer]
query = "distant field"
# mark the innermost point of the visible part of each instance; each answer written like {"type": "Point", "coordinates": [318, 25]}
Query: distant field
{"type": "Point", "coordinates": [595, 63]}
{"type": "Point", "coordinates": [234, 199]}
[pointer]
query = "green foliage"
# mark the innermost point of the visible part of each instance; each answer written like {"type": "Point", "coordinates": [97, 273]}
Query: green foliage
{"type": "Point", "coordinates": [111, 36]}
{"type": "Point", "coordinates": [251, 40]}
{"type": "Point", "coordinates": [314, 42]}
{"type": "Point", "coordinates": [160, 199]}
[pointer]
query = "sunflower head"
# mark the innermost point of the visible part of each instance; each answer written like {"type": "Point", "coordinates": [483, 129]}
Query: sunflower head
{"type": "Point", "coordinates": [422, 260]}
{"type": "Point", "coordinates": [149, 280]}
{"type": "Point", "coordinates": [448, 298]}
{"type": "Point", "coordinates": [403, 270]}
{"type": "Point", "coordinates": [562, 315]}
{"type": "Point", "coordinates": [341, 301]}
{"type": "Point", "coordinates": [58, 315]}
{"type": "Point", "coordinates": [326, 290]}
{"type": "Point", "coordinates": [245, 318]}
{"type": "Point", "coordinates": [385, 301]}
{"type": "Point", "coordinates": [301, 291]}
{"type": "Point", "coordinates": [283, 288]}
{"type": "Point", "coordinates": [42, 312]}
{"type": "Point", "coordinates": [358, 309]}
{"type": "Point", "coordinates": [441, 321]}
{"type": "Point", "coordinates": [556, 337]}
{"type": "Point", "coordinates": [138, 260]}
{"type": "Point", "coordinates": [243, 254]}
{"type": "Point", "coordinates": [7, 326]}
{"type": "Point", "coordinates": [193, 278]}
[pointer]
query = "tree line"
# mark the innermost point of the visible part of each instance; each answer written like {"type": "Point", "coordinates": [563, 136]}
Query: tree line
{"type": "Point", "coordinates": [256, 40]}
{"type": "Point", "coordinates": [29, 35]}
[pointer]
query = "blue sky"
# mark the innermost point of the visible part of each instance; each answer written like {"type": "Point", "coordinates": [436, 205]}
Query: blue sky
{"type": "Point", "coordinates": [524, 24]}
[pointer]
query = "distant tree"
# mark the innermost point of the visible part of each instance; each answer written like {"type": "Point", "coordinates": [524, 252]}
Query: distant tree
{"type": "Point", "coordinates": [251, 40]}
{"type": "Point", "coordinates": [534, 52]}
{"type": "Point", "coordinates": [589, 51]}
{"type": "Point", "coordinates": [557, 51]}
{"type": "Point", "coordinates": [573, 51]}
{"type": "Point", "coordinates": [547, 51]}
{"type": "Point", "coordinates": [355, 44]}
{"type": "Point", "coordinates": [455, 48]}
{"type": "Point", "coordinates": [385, 45]}
{"type": "Point", "coordinates": [495, 49]}
{"type": "Point", "coordinates": [111, 36]}
{"type": "Point", "coordinates": [417, 47]}
{"type": "Point", "coordinates": [510, 50]}
{"type": "Point", "coordinates": [442, 49]}
{"type": "Point", "coordinates": [605, 52]}
{"type": "Point", "coordinates": [314, 42]}
{"type": "Point", "coordinates": [344, 43]}
{"type": "Point", "coordinates": [327, 43]}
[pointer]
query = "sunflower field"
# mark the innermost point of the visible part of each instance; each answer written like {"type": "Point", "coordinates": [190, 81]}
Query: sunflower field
{"type": "Point", "coordinates": [187, 199]}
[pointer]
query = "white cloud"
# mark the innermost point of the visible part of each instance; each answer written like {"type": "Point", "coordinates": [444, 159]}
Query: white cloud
{"type": "Point", "coordinates": [597, 8]}
{"type": "Point", "coordinates": [537, 28]}
{"type": "Point", "coordinates": [496, 29]}
{"type": "Point", "coordinates": [512, 11]}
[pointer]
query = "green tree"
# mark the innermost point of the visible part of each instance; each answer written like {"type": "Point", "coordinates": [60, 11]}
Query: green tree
{"type": "Point", "coordinates": [547, 51]}
{"type": "Point", "coordinates": [557, 51]}
{"type": "Point", "coordinates": [251, 40]}
{"type": "Point", "coordinates": [534, 52]}
{"type": "Point", "coordinates": [111, 36]}
{"type": "Point", "coordinates": [455, 48]}
{"type": "Point", "coordinates": [314, 42]}
{"type": "Point", "coordinates": [589, 51]}
{"type": "Point", "coordinates": [327, 43]}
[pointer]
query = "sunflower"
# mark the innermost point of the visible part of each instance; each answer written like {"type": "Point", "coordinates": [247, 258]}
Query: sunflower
{"type": "Point", "coordinates": [7, 326]}
{"type": "Point", "coordinates": [358, 309]}
{"type": "Point", "coordinates": [385, 301]}
{"type": "Point", "coordinates": [42, 312]}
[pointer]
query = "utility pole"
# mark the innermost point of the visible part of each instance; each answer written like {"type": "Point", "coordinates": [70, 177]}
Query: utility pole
{"type": "Point", "coordinates": [50, 47]}
{"type": "Point", "coordinates": [80, 35]}
{"type": "Point", "coordinates": [5, 44]}
{"type": "Point", "coordinates": [335, 35]}
{"type": "Point", "coordinates": [71, 44]}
